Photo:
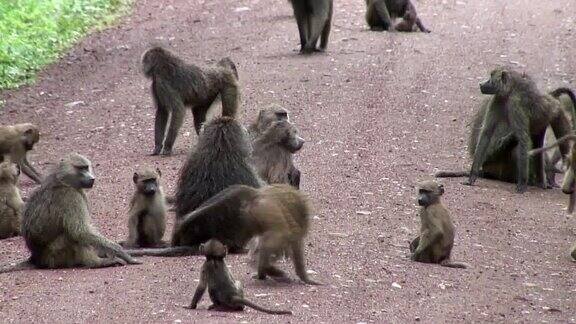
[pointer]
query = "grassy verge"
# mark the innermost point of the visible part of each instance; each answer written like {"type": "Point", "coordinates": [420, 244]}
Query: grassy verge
{"type": "Point", "coordinates": [34, 33]}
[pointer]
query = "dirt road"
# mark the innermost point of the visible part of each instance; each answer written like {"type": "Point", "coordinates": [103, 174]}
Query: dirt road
{"type": "Point", "coordinates": [379, 112]}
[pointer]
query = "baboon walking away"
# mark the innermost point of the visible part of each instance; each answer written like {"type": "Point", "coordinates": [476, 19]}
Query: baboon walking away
{"type": "Point", "coordinates": [314, 19]}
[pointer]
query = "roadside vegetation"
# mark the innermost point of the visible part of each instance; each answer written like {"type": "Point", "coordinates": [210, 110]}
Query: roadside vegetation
{"type": "Point", "coordinates": [35, 33]}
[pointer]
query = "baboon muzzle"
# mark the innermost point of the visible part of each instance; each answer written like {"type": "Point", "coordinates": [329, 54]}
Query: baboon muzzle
{"type": "Point", "coordinates": [88, 183]}
{"type": "Point", "coordinates": [487, 88]}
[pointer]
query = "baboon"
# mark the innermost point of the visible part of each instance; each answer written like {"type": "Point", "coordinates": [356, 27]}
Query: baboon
{"type": "Point", "coordinates": [380, 15]}
{"type": "Point", "coordinates": [436, 239]}
{"type": "Point", "coordinates": [226, 293]}
{"type": "Point", "coordinates": [265, 118]}
{"type": "Point", "coordinates": [501, 154]}
{"type": "Point", "coordinates": [573, 253]}
{"type": "Point", "coordinates": [15, 142]}
{"type": "Point", "coordinates": [176, 84]}
{"type": "Point", "coordinates": [11, 203]}
{"type": "Point", "coordinates": [314, 19]}
{"type": "Point", "coordinates": [56, 223]}
{"type": "Point", "coordinates": [147, 215]}
{"type": "Point", "coordinates": [272, 153]}
{"type": "Point", "coordinates": [516, 113]}
{"type": "Point", "coordinates": [220, 159]}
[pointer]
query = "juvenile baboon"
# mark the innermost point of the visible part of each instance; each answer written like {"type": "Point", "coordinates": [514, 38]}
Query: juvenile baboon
{"type": "Point", "coordinates": [517, 106]}
{"type": "Point", "coordinates": [436, 239]}
{"type": "Point", "coordinates": [273, 151]}
{"type": "Point", "coordinates": [314, 19]}
{"type": "Point", "coordinates": [502, 149]}
{"type": "Point", "coordinates": [15, 142]}
{"type": "Point", "coordinates": [220, 159]}
{"type": "Point", "coordinates": [380, 15]}
{"type": "Point", "coordinates": [176, 84]}
{"type": "Point", "coordinates": [265, 118]}
{"type": "Point", "coordinates": [147, 215]}
{"type": "Point", "coordinates": [11, 203]}
{"type": "Point", "coordinates": [56, 223]}
{"type": "Point", "coordinates": [226, 293]}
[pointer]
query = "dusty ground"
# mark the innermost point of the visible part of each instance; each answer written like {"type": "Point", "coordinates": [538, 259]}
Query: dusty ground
{"type": "Point", "coordinates": [379, 110]}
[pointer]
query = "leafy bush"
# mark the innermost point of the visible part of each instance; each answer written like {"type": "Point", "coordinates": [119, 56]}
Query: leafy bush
{"type": "Point", "coordinates": [34, 33]}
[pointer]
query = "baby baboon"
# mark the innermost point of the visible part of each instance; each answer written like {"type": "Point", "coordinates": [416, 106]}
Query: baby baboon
{"type": "Point", "coordinates": [147, 216]}
{"type": "Point", "coordinates": [226, 293]}
{"type": "Point", "coordinates": [314, 19]}
{"type": "Point", "coordinates": [56, 223]}
{"type": "Point", "coordinates": [11, 203]}
{"type": "Point", "coordinates": [265, 118]}
{"type": "Point", "coordinates": [519, 108]}
{"type": "Point", "coordinates": [176, 84]}
{"type": "Point", "coordinates": [220, 159]}
{"type": "Point", "coordinates": [15, 142]}
{"type": "Point", "coordinates": [272, 153]}
{"type": "Point", "coordinates": [380, 13]}
{"type": "Point", "coordinates": [434, 244]}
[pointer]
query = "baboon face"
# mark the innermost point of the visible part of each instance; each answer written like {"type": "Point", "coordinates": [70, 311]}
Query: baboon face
{"type": "Point", "coordinates": [75, 170]}
{"type": "Point", "coordinates": [9, 172]}
{"type": "Point", "coordinates": [213, 248]}
{"type": "Point", "coordinates": [271, 114]}
{"type": "Point", "coordinates": [429, 192]}
{"type": "Point", "coordinates": [151, 57]}
{"type": "Point", "coordinates": [288, 135]}
{"type": "Point", "coordinates": [30, 135]}
{"type": "Point", "coordinates": [499, 83]}
{"type": "Point", "coordinates": [147, 181]}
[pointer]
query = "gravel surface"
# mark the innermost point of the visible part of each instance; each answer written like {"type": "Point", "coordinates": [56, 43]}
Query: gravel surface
{"type": "Point", "coordinates": [379, 111]}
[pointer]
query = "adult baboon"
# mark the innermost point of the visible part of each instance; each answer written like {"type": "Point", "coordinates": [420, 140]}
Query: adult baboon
{"type": "Point", "coordinates": [518, 107]}
{"type": "Point", "coordinates": [147, 215]}
{"type": "Point", "coordinates": [56, 223]}
{"type": "Point", "coordinates": [176, 84]}
{"type": "Point", "coordinates": [501, 154]}
{"type": "Point", "coordinates": [15, 142]}
{"type": "Point", "coordinates": [265, 118]}
{"type": "Point", "coordinates": [11, 203]}
{"type": "Point", "coordinates": [380, 15]}
{"type": "Point", "coordinates": [272, 153]}
{"type": "Point", "coordinates": [314, 19]}
{"type": "Point", "coordinates": [226, 293]}
{"type": "Point", "coordinates": [220, 159]}
{"type": "Point", "coordinates": [436, 239]}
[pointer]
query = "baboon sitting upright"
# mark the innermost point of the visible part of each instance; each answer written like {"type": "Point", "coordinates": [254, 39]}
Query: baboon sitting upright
{"type": "Point", "coordinates": [15, 142]}
{"type": "Point", "coordinates": [11, 203]}
{"type": "Point", "coordinates": [314, 19]}
{"type": "Point", "coordinates": [272, 153]}
{"type": "Point", "coordinates": [436, 239]}
{"type": "Point", "coordinates": [518, 107]}
{"type": "Point", "coordinates": [147, 215]}
{"type": "Point", "coordinates": [56, 223]}
{"type": "Point", "coordinates": [176, 84]}
{"type": "Point", "coordinates": [380, 15]}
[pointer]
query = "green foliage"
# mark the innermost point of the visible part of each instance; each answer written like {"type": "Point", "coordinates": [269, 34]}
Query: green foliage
{"type": "Point", "coordinates": [34, 33]}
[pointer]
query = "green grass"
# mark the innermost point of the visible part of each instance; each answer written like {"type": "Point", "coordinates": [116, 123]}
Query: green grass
{"type": "Point", "coordinates": [34, 33]}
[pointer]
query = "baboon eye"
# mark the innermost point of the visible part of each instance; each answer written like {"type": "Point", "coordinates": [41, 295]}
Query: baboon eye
{"type": "Point", "coordinates": [82, 167]}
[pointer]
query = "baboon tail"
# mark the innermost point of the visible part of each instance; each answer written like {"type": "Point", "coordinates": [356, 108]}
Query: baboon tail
{"type": "Point", "coordinates": [259, 308]}
{"type": "Point", "coordinates": [173, 251]}
{"type": "Point", "coordinates": [551, 146]}
{"type": "Point", "coordinates": [451, 174]}
{"type": "Point", "coordinates": [421, 26]}
{"type": "Point", "coordinates": [567, 91]}
{"type": "Point", "coordinates": [24, 265]}
{"type": "Point", "coordinates": [450, 264]}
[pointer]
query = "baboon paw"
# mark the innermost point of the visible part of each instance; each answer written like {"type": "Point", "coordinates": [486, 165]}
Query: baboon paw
{"type": "Point", "coordinates": [521, 189]}
{"type": "Point", "coordinates": [468, 183]}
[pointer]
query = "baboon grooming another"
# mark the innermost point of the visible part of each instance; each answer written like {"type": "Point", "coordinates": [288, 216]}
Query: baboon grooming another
{"type": "Point", "coordinates": [176, 84]}
{"type": "Point", "coordinates": [436, 239]}
{"type": "Point", "coordinates": [380, 15]}
{"type": "Point", "coordinates": [11, 203]}
{"type": "Point", "coordinates": [272, 153]}
{"type": "Point", "coordinates": [15, 142]}
{"type": "Point", "coordinates": [147, 215]}
{"type": "Point", "coordinates": [518, 107]}
{"type": "Point", "coordinates": [56, 223]}
{"type": "Point", "coordinates": [314, 19]}
{"type": "Point", "coordinates": [226, 293]}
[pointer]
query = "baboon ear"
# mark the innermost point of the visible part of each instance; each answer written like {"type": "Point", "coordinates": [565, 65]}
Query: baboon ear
{"type": "Point", "coordinates": [504, 77]}
{"type": "Point", "coordinates": [159, 173]}
{"type": "Point", "coordinates": [135, 177]}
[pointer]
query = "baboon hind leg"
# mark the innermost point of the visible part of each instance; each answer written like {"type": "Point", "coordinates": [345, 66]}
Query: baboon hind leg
{"type": "Point", "coordinates": [326, 30]}
{"type": "Point", "coordinates": [199, 113]}
{"type": "Point", "coordinates": [159, 129]}
{"type": "Point", "coordinates": [538, 160]}
{"type": "Point", "coordinates": [176, 120]}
